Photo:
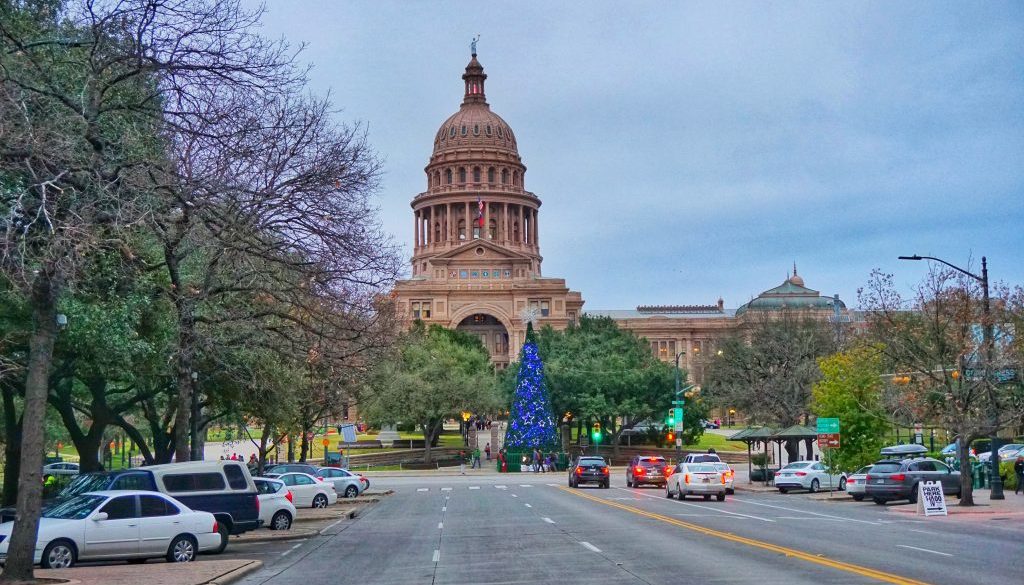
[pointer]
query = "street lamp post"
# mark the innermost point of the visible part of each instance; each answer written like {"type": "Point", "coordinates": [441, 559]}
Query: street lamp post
{"type": "Point", "coordinates": [679, 402]}
{"type": "Point", "coordinates": [987, 335]}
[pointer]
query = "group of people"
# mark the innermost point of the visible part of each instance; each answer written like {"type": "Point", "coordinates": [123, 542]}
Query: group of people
{"type": "Point", "coordinates": [539, 462]}
{"type": "Point", "coordinates": [482, 423]}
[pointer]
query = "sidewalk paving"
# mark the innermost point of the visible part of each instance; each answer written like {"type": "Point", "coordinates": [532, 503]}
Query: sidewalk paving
{"type": "Point", "coordinates": [219, 572]}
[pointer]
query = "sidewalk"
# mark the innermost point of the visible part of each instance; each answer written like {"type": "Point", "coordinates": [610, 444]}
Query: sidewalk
{"type": "Point", "coordinates": [984, 508]}
{"type": "Point", "coordinates": [219, 572]}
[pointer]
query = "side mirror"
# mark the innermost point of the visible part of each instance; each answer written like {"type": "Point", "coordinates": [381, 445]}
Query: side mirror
{"type": "Point", "coordinates": [99, 516]}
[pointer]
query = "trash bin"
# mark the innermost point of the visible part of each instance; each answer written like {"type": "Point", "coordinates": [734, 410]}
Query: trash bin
{"type": "Point", "coordinates": [979, 475]}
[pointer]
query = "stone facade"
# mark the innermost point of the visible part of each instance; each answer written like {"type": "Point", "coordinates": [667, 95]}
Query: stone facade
{"type": "Point", "coordinates": [476, 263]}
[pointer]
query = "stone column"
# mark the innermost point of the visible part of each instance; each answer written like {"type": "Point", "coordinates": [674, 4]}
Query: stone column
{"type": "Point", "coordinates": [533, 228]}
{"type": "Point", "coordinates": [469, 224]}
{"type": "Point", "coordinates": [486, 229]}
{"type": "Point", "coordinates": [416, 224]}
{"type": "Point", "coordinates": [522, 227]}
{"type": "Point", "coordinates": [447, 222]}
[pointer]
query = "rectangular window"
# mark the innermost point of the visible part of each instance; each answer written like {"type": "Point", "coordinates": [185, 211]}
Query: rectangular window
{"type": "Point", "coordinates": [193, 482]}
{"type": "Point", "coordinates": [542, 306]}
{"type": "Point", "coordinates": [421, 309]}
{"type": "Point", "coordinates": [545, 309]}
{"type": "Point", "coordinates": [236, 478]}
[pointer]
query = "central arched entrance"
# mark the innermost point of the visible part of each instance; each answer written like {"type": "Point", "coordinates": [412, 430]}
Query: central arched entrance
{"type": "Point", "coordinates": [492, 334]}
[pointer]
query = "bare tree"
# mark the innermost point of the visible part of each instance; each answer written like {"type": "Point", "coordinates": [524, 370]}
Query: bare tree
{"type": "Point", "coordinates": [933, 341]}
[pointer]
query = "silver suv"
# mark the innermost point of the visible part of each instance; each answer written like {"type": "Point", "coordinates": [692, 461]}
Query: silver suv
{"type": "Point", "coordinates": [897, 479]}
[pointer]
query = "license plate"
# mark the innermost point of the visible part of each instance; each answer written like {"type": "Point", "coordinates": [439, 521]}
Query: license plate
{"type": "Point", "coordinates": [706, 480]}
{"type": "Point", "coordinates": [879, 481]}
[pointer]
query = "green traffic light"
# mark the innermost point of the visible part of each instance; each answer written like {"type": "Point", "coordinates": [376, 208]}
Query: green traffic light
{"type": "Point", "coordinates": [597, 437]}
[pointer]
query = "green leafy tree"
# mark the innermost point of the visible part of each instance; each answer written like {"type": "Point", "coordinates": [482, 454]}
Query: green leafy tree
{"type": "Point", "coordinates": [850, 389]}
{"type": "Point", "coordinates": [434, 375]}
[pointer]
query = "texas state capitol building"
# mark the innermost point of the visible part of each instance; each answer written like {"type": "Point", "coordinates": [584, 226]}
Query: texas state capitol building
{"type": "Point", "coordinates": [476, 263]}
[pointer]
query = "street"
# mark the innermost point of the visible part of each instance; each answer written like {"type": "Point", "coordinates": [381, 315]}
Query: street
{"type": "Point", "coordinates": [531, 528]}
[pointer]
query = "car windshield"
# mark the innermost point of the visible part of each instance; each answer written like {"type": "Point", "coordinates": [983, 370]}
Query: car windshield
{"type": "Point", "coordinates": [701, 468]}
{"type": "Point", "coordinates": [649, 463]}
{"type": "Point", "coordinates": [862, 470]}
{"type": "Point", "coordinates": [592, 462]}
{"type": "Point", "coordinates": [90, 482]}
{"type": "Point", "coordinates": [885, 467]}
{"type": "Point", "coordinates": [74, 508]}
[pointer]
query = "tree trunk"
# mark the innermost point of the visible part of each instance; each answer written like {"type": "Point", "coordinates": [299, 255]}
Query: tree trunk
{"type": "Point", "coordinates": [566, 436]}
{"type": "Point", "coordinates": [183, 365]}
{"type": "Point", "coordinates": [304, 445]}
{"type": "Point", "coordinates": [966, 487]}
{"type": "Point", "coordinates": [12, 448]}
{"type": "Point", "coordinates": [792, 450]}
{"type": "Point", "coordinates": [30, 485]}
{"type": "Point", "coordinates": [430, 432]}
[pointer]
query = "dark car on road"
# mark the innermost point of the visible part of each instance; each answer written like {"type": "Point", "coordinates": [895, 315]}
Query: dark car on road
{"type": "Point", "coordinates": [649, 470]}
{"type": "Point", "coordinates": [898, 479]}
{"type": "Point", "coordinates": [589, 469]}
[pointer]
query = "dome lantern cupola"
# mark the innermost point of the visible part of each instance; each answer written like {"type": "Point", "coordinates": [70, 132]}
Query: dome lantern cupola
{"type": "Point", "coordinates": [474, 78]}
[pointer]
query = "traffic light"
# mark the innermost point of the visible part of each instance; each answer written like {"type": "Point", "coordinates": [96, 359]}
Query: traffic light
{"type": "Point", "coordinates": [671, 436]}
{"type": "Point", "coordinates": [671, 420]}
{"type": "Point", "coordinates": [595, 434]}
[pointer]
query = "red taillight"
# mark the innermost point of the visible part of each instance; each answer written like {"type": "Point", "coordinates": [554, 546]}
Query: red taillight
{"type": "Point", "coordinates": [898, 476]}
{"type": "Point", "coordinates": [668, 471]}
{"type": "Point", "coordinates": [257, 498]}
{"type": "Point", "coordinates": [216, 527]}
{"type": "Point", "coordinates": [604, 470]}
{"type": "Point", "coordinates": [686, 478]}
{"type": "Point", "coordinates": [288, 495]}
{"type": "Point", "coordinates": [867, 478]}
{"type": "Point", "coordinates": [723, 479]}
{"type": "Point", "coordinates": [801, 473]}
{"type": "Point", "coordinates": [851, 480]}
{"type": "Point", "coordinates": [638, 470]}
{"type": "Point", "coordinates": [579, 471]}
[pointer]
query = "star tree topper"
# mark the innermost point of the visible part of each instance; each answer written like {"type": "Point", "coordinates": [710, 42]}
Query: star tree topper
{"type": "Point", "coordinates": [529, 316]}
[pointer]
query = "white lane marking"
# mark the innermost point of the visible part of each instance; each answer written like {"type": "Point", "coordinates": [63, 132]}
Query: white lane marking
{"type": "Point", "coordinates": [287, 552]}
{"type": "Point", "coordinates": [446, 498]}
{"type": "Point", "coordinates": [548, 520]}
{"type": "Point", "coordinates": [444, 508]}
{"type": "Point", "coordinates": [501, 487]}
{"type": "Point", "coordinates": [514, 496]}
{"type": "Point", "coordinates": [423, 489]}
{"type": "Point", "coordinates": [474, 487]}
{"type": "Point", "coordinates": [440, 525]}
{"type": "Point", "coordinates": [446, 489]}
{"type": "Point", "coordinates": [590, 547]}
{"type": "Point", "coordinates": [934, 552]}
{"type": "Point", "coordinates": [437, 555]}
{"type": "Point", "coordinates": [553, 484]}
{"type": "Point", "coordinates": [803, 511]}
{"type": "Point", "coordinates": [525, 485]}
{"type": "Point", "coordinates": [709, 508]}
{"type": "Point", "coordinates": [701, 516]}
{"type": "Point", "coordinates": [331, 525]}
{"type": "Point", "coordinates": [922, 531]}
{"type": "Point", "coordinates": [528, 505]}
{"type": "Point", "coordinates": [810, 518]}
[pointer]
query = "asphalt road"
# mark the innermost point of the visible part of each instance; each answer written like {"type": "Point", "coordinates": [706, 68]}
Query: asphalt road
{"type": "Point", "coordinates": [531, 528]}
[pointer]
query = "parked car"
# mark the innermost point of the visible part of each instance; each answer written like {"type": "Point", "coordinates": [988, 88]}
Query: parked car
{"type": "Point", "coordinates": [60, 469]}
{"type": "Point", "coordinates": [293, 467]}
{"type": "Point", "coordinates": [950, 449]}
{"type": "Point", "coordinates": [308, 491]}
{"type": "Point", "coordinates": [702, 458]}
{"type": "Point", "coordinates": [589, 469]}
{"type": "Point", "coordinates": [276, 508]}
{"type": "Point", "coordinates": [222, 488]}
{"type": "Point", "coordinates": [125, 479]}
{"type": "Point", "coordinates": [709, 424]}
{"type": "Point", "coordinates": [897, 479]}
{"type": "Point", "coordinates": [856, 482]}
{"type": "Point", "coordinates": [345, 484]}
{"type": "Point", "coordinates": [702, 479]}
{"type": "Point", "coordinates": [1005, 452]}
{"type": "Point", "coordinates": [808, 475]}
{"type": "Point", "coordinates": [730, 476]}
{"type": "Point", "coordinates": [647, 470]}
{"type": "Point", "coordinates": [118, 525]}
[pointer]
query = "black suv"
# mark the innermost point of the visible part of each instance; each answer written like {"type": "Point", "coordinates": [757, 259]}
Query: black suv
{"type": "Point", "coordinates": [897, 479]}
{"type": "Point", "coordinates": [651, 470]}
{"type": "Point", "coordinates": [589, 469]}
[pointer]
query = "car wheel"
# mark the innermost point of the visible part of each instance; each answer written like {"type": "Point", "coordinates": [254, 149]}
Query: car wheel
{"type": "Point", "coordinates": [707, 497]}
{"type": "Point", "coordinates": [842, 484]}
{"type": "Point", "coordinates": [281, 521]}
{"type": "Point", "coordinates": [720, 497]}
{"type": "Point", "coordinates": [182, 549]}
{"type": "Point", "coordinates": [913, 494]}
{"type": "Point", "coordinates": [879, 501]}
{"type": "Point", "coordinates": [225, 534]}
{"type": "Point", "coordinates": [320, 501]}
{"type": "Point", "coordinates": [730, 491]}
{"type": "Point", "coordinates": [351, 491]}
{"type": "Point", "coordinates": [858, 497]}
{"type": "Point", "coordinates": [783, 490]}
{"type": "Point", "coordinates": [629, 483]}
{"type": "Point", "coordinates": [59, 554]}
{"type": "Point", "coordinates": [814, 486]}
{"type": "Point", "coordinates": [668, 493]}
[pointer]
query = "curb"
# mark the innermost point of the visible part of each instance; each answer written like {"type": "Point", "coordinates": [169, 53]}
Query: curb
{"type": "Point", "coordinates": [293, 534]}
{"type": "Point", "coordinates": [236, 574]}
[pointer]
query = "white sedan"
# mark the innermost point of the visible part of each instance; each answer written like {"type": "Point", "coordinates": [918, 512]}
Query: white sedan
{"type": "Point", "coordinates": [346, 484]}
{"type": "Point", "coordinates": [276, 509]}
{"type": "Point", "coordinates": [307, 491]}
{"type": "Point", "coordinates": [118, 525]}
{"type": "Point", "coordinates": [808, 475]}
{"type": "Point", "coordinates": [60, 469]}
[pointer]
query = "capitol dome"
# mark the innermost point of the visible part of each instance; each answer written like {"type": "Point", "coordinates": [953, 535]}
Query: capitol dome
{"type": "Point", "coordinates": [475, 125]}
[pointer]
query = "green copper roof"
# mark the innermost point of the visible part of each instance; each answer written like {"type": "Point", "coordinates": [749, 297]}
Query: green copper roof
{"type": "Point", "coordinates": [789, 295]}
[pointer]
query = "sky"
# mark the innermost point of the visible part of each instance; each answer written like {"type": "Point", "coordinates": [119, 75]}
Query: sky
{"type": "Point", "coordinates": [688, 151]}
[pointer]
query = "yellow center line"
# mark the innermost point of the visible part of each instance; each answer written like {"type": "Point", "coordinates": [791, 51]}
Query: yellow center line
{"type": "Point", "coordinates": [789, 552]}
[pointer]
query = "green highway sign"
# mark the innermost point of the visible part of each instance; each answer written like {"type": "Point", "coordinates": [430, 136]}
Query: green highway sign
{"type": "Point", "coordinates": [828, 426]}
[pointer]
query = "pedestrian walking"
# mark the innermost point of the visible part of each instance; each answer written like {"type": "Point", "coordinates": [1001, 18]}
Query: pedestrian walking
{"type": "Point", "coordinates": [487, 451]}
{"type": "Point", "coordinates": [476, 458]}
{"type": "Point", "coordinates": [462, 462]}
{"type": "Point", "coordinates": [503, 460]}
{"type": "Point", "coordinates": [1018, 470]}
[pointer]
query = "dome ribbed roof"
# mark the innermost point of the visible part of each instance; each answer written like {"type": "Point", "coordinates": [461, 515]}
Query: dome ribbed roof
{"type": "Point", "coordinates": [475, 125]}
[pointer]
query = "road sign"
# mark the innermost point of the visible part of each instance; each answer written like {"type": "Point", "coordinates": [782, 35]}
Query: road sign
{"type": "Point", "coordinates": [679, 442]}
{"type": "Point", "coordinates": [918, 434]}
{"type": "Point", "coordinates": [677, 415]}
{"type": "Point", "coordinates": [828, 440]}
{"type": "Point", "coordinates": [326, 442]}
{"type": "Point", "coordinates": [931, 499]}
{"type": "Point", "coordinates": [828, 425]}
{"type": "Point", "coordinates": [348, 433]}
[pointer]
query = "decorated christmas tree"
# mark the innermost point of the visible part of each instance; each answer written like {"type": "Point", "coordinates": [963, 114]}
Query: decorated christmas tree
{"type": "Point", "coordinates": [531, 424]}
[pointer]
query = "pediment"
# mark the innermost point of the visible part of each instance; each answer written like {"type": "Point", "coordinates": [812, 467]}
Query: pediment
{"type": "Point", "coordinates": [480, 250]}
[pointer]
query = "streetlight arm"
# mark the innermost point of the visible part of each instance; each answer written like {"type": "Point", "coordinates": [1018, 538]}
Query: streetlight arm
{"type": "Point", "coordinates": [953, 266]}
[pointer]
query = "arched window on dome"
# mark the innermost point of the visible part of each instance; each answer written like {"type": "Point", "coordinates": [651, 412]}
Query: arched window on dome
{"type": "Point", "coordinates": [462, 175]}
{"type": "Point", "coordinates": [462, 229]}
{"type": "Point", "coordinates": [490, 175]}
{"type": "Point", "coordinates": [476, 129]}
{"type": "Point", "coordinates": [504, 176]}
{"type": "Point", "coordinates": [492, 229]}
{"type": "Point", "coordinates": [476, 174]}
{"type": "Point", "coordinates": [515, 231]}
{"type": "Point", "coordinates": [515, 178]}
{"type": "Point", "coordinates": [447, 176]}
{"type": "Point", "coordinates": [437, 178]}
{"type": "Point", "coordinates": [437, 232]}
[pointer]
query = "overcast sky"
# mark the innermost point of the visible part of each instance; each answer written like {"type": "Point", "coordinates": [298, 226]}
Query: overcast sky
{"type": "Point", "coordinates": [687, 151]}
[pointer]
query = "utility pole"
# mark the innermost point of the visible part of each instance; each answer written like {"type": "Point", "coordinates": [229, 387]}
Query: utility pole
{"type": "Point", "coordinates": [678, 405]}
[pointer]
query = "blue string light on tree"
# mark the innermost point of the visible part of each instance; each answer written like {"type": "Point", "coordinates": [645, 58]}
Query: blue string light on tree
{"type": "Point", "coordinates": [531, 423]}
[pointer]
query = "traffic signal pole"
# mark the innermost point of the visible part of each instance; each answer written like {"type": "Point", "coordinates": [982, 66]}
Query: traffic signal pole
{"type": "Point", "coordinates": [679, 403]}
